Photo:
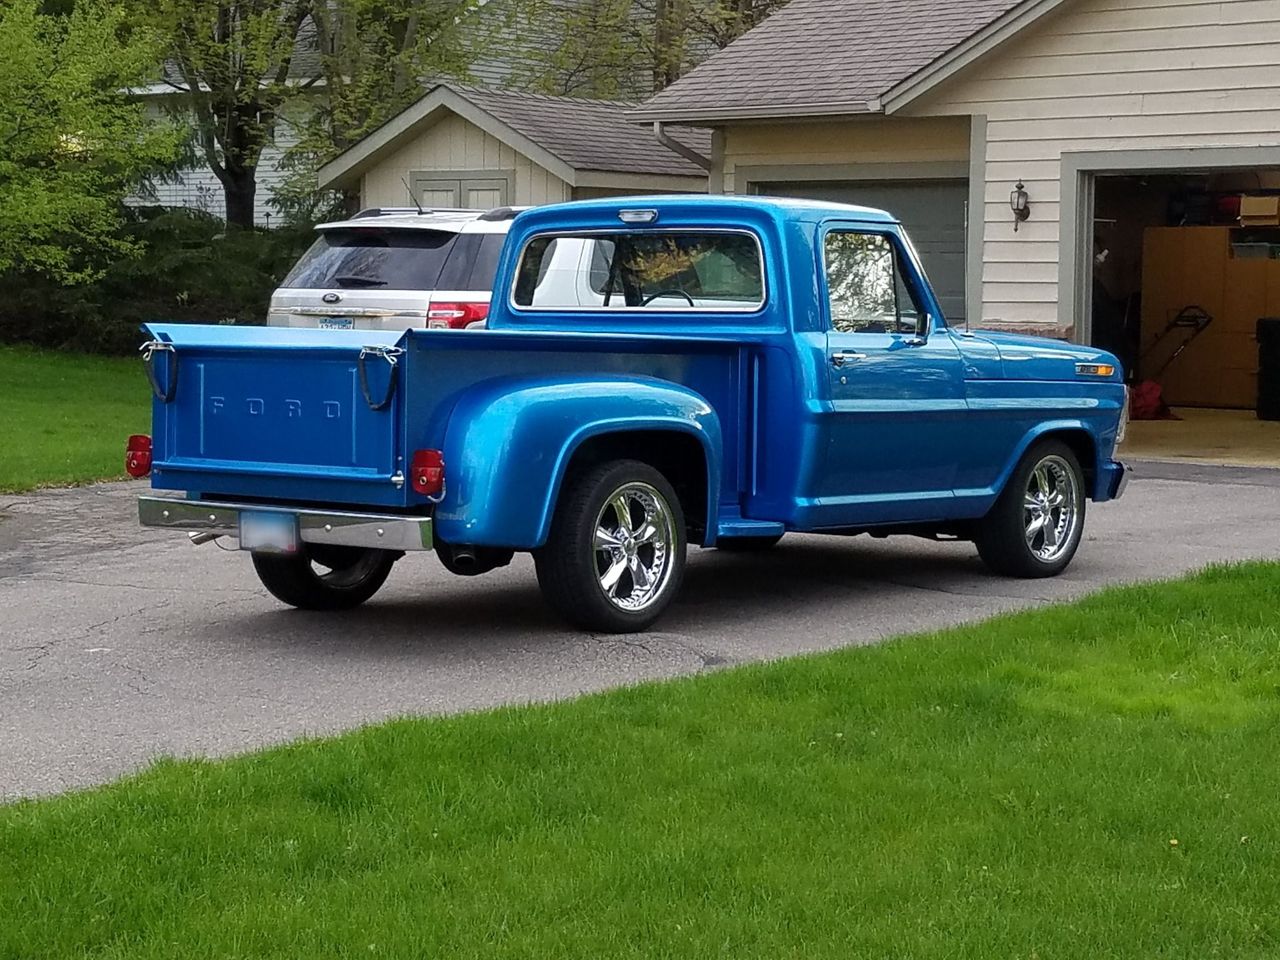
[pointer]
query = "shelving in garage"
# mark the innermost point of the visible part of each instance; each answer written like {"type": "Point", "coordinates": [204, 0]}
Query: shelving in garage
{"type": "Point", "coordinates": [1165, 243]}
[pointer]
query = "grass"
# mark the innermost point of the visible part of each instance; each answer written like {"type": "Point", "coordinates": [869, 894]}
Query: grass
{"type": "Point", "coordinates": [1098, 780]}
{"type": "Point", "coordinates": [65, 417]}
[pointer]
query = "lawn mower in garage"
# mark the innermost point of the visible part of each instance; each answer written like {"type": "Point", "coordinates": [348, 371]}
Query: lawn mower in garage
{"type": "Point", "coordinates": [1147, 399]}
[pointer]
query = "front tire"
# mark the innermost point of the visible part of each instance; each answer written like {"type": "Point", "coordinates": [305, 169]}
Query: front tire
{"type": "Point", "coordinates": [616, 552]}
{"type": "Point", "coordinates": [1034, 529]}
{"type": "Point", "coordinates": [323, 577]}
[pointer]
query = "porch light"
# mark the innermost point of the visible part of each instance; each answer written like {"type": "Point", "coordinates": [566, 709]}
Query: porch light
{"type": "Point", "coordinates": [1020, 203]}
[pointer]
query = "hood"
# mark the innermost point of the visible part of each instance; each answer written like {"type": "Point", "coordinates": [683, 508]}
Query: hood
{"type": "Point", "coordinates": [1042, 358]}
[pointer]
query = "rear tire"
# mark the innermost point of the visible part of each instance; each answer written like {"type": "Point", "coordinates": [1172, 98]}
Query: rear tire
{"type": "Point", "coordinates": [615, 556]}
{"type": "Point", "coordinates": [1035, 527]}
{"type": "Point", "coordinates": [346, 578]}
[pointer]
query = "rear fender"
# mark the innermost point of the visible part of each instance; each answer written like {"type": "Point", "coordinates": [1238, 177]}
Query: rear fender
{"type": "Point", "coordinates": [510, 441]}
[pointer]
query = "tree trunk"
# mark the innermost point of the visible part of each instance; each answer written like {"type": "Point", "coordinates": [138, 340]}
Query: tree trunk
{"type": "Point", "coordinates": [240, 187]}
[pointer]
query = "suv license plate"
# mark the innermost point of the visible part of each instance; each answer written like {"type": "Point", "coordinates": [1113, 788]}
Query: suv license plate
{"type": "Point", "coordinates": [337, 323]}
{"type": "Point", "coordinates": [269, 532]}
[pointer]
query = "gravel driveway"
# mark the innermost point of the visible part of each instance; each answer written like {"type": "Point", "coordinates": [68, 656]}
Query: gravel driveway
{"type": "Point", "coordinates": [118, 645]}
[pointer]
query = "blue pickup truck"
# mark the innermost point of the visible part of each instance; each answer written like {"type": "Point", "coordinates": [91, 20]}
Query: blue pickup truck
{"type": "Point", "coordinates": [656, 372]}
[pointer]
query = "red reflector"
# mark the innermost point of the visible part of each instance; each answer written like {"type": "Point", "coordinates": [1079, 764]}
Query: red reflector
{"type": "Point", "coordinates": [426, 472]}
{"type": "Point", "coordinates": [137, 455]}
{"type": "Point", "coordinates": [456, 314]}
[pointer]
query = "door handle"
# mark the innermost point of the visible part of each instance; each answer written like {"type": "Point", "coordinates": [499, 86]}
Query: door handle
{"type": "Point", "coordinates": [845, 357]}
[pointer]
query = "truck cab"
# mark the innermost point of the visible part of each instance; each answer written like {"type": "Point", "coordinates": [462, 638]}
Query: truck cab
{"type": "Point", "coordinates": [656, 372]}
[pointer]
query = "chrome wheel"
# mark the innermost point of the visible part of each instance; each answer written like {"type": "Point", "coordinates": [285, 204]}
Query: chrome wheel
{"type": "Point", "coordinates": [1051, 509]}
{"type": "Point", "coordinates": [634, 535]}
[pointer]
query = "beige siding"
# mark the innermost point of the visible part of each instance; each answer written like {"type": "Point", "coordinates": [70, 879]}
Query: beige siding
{"type": "Point", "coordinates": [1106, 75]}
{"type": "Point", "coordinates": [456, 144]}
{"type": "Point", "coordinates": [851, 143]}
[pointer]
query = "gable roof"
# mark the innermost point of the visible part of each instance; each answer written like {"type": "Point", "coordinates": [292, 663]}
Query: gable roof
{"type": "Point", "coordinates": [834, 57]}
{"type": "Point", "coordinates": [564, 134]}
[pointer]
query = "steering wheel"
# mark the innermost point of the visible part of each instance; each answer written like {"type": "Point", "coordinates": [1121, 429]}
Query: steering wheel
{"type": "Point", "coordinates": [668, 293]}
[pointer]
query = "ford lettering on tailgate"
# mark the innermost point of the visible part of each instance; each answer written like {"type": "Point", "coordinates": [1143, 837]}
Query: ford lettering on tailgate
{"type": "Point", "coordinates": [257, 410]}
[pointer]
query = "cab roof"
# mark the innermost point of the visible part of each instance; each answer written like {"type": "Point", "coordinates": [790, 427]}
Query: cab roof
{"type": "Point", "coordinates": [712, 208]}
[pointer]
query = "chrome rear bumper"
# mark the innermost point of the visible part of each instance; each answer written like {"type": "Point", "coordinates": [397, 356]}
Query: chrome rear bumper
{"type": "Point", "coordinates": [340, 528]}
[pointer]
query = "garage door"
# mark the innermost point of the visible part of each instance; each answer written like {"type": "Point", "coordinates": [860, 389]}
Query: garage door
{"type": "Point", "coordinates": [933, 211]}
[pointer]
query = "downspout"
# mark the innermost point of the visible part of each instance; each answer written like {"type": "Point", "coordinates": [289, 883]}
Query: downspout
{"type": "Point", "coordinates": [675, 146]}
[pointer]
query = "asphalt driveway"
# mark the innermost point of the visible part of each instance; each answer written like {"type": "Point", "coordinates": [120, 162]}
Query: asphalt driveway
{"type": "Point", "coordinates": [118, 645]}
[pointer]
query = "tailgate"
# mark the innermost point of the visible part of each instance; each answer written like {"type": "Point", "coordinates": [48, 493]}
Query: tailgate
{"type": "Point", "coordinates": [278, 414]}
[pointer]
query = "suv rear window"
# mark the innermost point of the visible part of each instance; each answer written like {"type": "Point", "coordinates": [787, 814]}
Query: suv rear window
{"type": "Point", "coordinates": [369, 257]}
{"type": "Point", "coordinates": [473, 262]}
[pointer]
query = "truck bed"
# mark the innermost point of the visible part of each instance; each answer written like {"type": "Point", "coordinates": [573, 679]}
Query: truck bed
{"type": "Point", "coordinates": [261, 414]}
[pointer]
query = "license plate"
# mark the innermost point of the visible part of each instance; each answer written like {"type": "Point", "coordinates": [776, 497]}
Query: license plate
{"type": "Point", "coordinates": [337, 323]}
{"type": "Point", "coordinates": [269, 532]}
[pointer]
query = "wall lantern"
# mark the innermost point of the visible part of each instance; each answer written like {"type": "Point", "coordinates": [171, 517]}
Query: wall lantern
{"type": "Point", "coordinates": [1020, 203]}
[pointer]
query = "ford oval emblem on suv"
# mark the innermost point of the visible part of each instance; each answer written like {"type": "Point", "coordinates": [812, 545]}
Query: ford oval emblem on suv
{"type": "Point", "coordinates": [332, 298]}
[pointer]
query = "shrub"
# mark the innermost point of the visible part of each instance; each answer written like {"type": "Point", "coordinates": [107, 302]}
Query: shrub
{"type": "Point", "coordinates": [190, 268]}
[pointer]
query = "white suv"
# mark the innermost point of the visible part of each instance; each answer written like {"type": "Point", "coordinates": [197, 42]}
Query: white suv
{"type": "Point", "coordinates": [391, 269]}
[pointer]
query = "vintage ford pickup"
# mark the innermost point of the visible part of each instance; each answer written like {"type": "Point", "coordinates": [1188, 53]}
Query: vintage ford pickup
{"type": "Point", "coordinates": [657, 372]}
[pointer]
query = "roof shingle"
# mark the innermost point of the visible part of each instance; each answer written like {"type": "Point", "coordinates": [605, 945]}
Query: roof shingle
{"type": "Point", "coordinates": [588, 134]}
{"type": "Point", "coordinates": [812, 54]}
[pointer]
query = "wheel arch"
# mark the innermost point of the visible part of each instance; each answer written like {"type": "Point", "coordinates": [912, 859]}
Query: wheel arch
{"type": "Point", "coordinates": [1078, 438]}
{"type": "Point", "coordinates": [509, 447]}
{"type": "Point", "coordinates": [680, 455]}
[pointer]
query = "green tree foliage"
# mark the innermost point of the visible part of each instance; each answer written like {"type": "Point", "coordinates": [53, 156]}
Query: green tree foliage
{"type": "Point", "coordinates": [72, 141]}
{"type": "Point", "coordinates": [374, 57]}
{"type": "Point", "coordinates": [233, 60]}
{"type": "Point", "coordinates": [628, 49]}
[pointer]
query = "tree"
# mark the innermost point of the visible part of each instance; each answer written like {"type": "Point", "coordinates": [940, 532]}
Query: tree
{"type": "Point", "coordinates": [232, 59]}
{"type": "Point", "coordinates": [374, 56]}
{"type": "Point", "coordinates": [73, 143]}
{"type": "Point", "coordinates": [628, 49]}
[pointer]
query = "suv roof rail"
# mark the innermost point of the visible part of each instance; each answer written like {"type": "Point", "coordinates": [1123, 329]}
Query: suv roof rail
{"type": "Point", "coordinates": [388, 211]}
{"type": "Point", "coordinates": [501, 213]}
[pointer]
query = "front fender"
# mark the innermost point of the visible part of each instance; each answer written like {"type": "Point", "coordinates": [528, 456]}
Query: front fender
{"type": "Point", "coordinates": [1047, 428]}
{"type": "Point", "coordinates": [509, 442]}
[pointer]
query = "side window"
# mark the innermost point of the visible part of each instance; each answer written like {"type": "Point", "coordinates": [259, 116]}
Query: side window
{"type": "Point", "coordinates": [868, 292]}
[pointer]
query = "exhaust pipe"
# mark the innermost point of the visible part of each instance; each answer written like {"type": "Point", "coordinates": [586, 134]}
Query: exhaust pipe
{"type": "Point", "coordinates": [200, 539]}
{"type": "Point", "coordinates": [464, 558]}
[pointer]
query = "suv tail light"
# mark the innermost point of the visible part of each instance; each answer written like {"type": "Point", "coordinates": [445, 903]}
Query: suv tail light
{"type": "Point", "coordinates": [426, 472]}
{"type": "Point", "coordinates": [137, 455]}
{"type": "Point", "coordinates": [456, 314]}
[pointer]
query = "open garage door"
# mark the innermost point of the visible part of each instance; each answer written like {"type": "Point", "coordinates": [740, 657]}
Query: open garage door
{"type": "Point", "coordinates": [933, 211]}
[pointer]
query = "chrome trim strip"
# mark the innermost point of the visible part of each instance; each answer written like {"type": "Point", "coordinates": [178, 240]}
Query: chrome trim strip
{"type": "Point", "coordinates": [337, 527]}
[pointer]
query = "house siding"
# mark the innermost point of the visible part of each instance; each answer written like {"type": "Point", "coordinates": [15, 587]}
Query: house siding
{"type": "Point", "coordinates": [1104, 75]}
{"type": "Point", "coordinates": [456, 144]}
{"type": "Point", "coordinates": [864, 142]}
{"type": "Point", "coordinates": [198, 188]}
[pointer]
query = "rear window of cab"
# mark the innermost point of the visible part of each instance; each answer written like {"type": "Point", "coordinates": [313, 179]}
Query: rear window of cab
{"type": "Point", "coordinates": [707, 271]}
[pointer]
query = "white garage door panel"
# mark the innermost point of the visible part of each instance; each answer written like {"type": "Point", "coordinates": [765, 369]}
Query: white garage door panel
{"type": "Point", "coordinates": [933, 211]}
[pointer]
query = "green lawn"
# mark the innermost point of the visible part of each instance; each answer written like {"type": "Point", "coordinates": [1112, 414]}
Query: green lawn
{"type": "Point", "coordinates": [1092, 781]}
{"type": "Point", "coordinates": [64, 418]}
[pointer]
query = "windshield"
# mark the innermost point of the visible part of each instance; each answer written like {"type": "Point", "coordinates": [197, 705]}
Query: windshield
{"type": "Point", "coordinates": [372, 258]}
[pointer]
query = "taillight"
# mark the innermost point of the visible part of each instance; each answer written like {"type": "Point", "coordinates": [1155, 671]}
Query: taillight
{"type": "Point", "coordinates": [137, 455]}
{"type": "Point", "coordinates": [426, 472]}
{"type": "Point", "coordinates": [456, 314]}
